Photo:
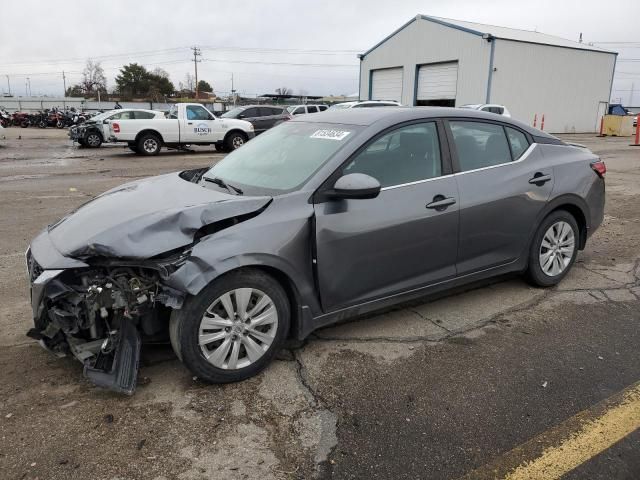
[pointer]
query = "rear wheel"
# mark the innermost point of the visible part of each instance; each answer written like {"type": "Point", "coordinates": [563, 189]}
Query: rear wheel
{"type": "Point", "coordinates": [233, 328]}
{"type": "Point", "coordinates": [149, 144]}
{"type": "Point", "coordinates": [554, 249]}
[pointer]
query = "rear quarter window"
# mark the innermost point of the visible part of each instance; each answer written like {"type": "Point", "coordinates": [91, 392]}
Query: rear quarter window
{"type": "Point", "coordinates": [518, 142]}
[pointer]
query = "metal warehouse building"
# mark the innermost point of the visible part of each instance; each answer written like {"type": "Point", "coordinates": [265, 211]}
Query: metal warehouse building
{"type": "Point", "coordinates": [443, 62]}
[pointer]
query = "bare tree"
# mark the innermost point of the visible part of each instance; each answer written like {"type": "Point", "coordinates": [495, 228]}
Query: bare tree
{"type": "Point", "coordinates": [162, 73]}
{"type": "Point", "coordinates": [303, 93]}
{"type": "Point", "coordinates": [93, 78]}
{"type": "Point", "coordinates": [284, 91]}
{"type": "Point", "coordinates": [189, 82]}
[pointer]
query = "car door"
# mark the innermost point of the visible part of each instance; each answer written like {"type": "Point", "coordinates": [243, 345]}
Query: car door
{"type": "Point", "coordinates": [403, 239]}
{"type": "Point", "coordinates": [198, 126]}
{"type": "Point", "coordinates": [500, 200]}
{"type": "Point", "coordinates": [269, 116]}
{"type": "Point", "coordinates": [254, 116]}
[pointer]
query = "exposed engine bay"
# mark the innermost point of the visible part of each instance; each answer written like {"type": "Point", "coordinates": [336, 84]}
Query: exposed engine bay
{"type": "Point", "coordinates": [102, 315]}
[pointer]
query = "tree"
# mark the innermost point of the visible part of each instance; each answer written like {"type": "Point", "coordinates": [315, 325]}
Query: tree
{"type": "Point", "coordinates": [189, 83]}
{"type": "Point", "coordinates": [93, 79]}
{"type": "Point", "coordinates": [136, 81]}
{"type": "Point", "coordinates": [204, 86]}
{"type": "Point", "coordinates": [283, 91]}
{"type": "Point", "coordinates": [74, 91]}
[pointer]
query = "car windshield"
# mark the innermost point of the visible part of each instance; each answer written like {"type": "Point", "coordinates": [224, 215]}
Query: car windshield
{"type": "Point", "coordinates": [232, 113]}
{"type": "Point", "coordinates": [103, 116]}
{"type": "Point", "coordinates": [282, 159]}
{"type": "Point", "coordinates": [291, 108]}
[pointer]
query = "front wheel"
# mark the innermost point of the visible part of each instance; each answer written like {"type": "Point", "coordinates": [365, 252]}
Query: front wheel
{"type": "Point", "coordinates": [93, 140]}
{"type": "Point", "coordinates": [553, 250]}
{"type": "Point", "coordinates": [149, 144]}
{"type": "Point", "coordinates": [233, 328]}
{"type": "Point", "coordinates": [235, 140]}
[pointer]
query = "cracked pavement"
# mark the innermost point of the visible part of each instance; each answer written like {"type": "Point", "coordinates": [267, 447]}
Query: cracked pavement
{"type": "Point", "coordinates": [431, 389]}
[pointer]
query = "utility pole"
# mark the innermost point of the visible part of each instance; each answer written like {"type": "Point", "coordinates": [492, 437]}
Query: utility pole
{"type": "Point", "coordinates": [196, 54]}
{"type": "Point", "coordinates": [27, 87]}
{"type": "Point", "coordinates": [64, 82]}
{"type": "Point", "coordinates": [8, 84]}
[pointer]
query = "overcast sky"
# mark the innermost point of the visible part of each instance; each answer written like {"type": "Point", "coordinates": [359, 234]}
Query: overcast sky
{"type": "Point", "coordinates": [40, 39]}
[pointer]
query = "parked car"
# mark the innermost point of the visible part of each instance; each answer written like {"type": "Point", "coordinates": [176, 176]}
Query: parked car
{"type": "Point", "coordinates": [489, 107]}
{"type": "Point", "coordinates": [185, 124]}
{"type": "Point", "coordinates": [262, 117]}
{"type": "Point", "coordinates": [365, 104]}
{"type": "Point", "coordinates": [319, 219]}
{"type": "Point", "coordinates": [94, 131]}
{"type": "Point", "coordinates": [304, 109]}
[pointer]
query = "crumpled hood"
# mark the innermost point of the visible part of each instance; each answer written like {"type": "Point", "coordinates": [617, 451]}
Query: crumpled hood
{"type": "Point", "coordinates": [142, 219]}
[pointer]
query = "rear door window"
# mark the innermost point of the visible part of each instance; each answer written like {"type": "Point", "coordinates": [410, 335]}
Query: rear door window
{"type": "Point", "coordinates": [518, 142]}
{"type": "Point", "coordinates": [250, 113]}
{"type": "Point", "coordinates": [479, 144]}
{"type": "Point", "coordinates": [312, 109]}
{"type": "Point", "coordinates": [143, 115]}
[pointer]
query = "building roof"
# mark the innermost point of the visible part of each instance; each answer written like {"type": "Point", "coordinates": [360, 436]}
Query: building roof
{"type": "Point", "coordinates": [514, 34]}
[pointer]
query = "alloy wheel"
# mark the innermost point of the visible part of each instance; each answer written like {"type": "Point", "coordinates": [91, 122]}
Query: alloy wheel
{"type": "Point", "coordinates": [238, 141]}
{"type": "Point", "coordinates": [238, 328]}
{"type": "Point", "coordinates": [150, 145]}
{"type": "Point", "coordinates": [557, 249]}
{"type": "Point", "coordinates": [93, 140]}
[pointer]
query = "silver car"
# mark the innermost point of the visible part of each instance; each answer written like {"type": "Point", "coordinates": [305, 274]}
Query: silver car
{"type": "Point", "coordinates": [319, 219]}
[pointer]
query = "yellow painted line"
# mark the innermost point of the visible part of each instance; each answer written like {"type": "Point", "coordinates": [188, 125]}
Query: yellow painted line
{"type": "Point", "coordinates": [570, 444]}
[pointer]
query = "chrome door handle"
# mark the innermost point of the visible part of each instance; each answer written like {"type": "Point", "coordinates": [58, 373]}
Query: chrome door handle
{"type": "Point", "coordinates": [539, 179]}
{"type": "Point", "coordinates": [440, 202]}
{"type": "Point", "coordinates": [189, 123]}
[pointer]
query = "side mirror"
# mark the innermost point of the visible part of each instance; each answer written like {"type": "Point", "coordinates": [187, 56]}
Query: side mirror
{"type": "Point", "coordinates": [242, 115]}
{"type": "Point", "coordinates": [106, 122]}
{"type": "Point", "coordinates": [355, 186]}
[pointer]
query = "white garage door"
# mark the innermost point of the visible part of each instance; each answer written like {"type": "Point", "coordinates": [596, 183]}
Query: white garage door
{"type": "Point", "coordinates": [386, 84]}
{"type": "Point", "coordinates": [437, 82]}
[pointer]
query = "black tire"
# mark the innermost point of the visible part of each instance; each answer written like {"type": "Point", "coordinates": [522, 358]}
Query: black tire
{"type": "Point", "coordinates": [24, 124]}
{"type": "Point", "coordinates": [535, 273]}
{"type": "Point", "coordinates": [148, 144]}
{"type": "Point", "coordinates": [93, 139]}
{"type": "Point", "coordinates": [234, 141]}
{"type": "Point", "coordinates": [185, 325]}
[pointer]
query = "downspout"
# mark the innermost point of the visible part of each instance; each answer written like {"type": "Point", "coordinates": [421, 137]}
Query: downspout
{"type": "Point", "coordinates": [361, 57]}
{"type": "Point", "coordinates": [492, 40]}
{"type": "Point", "coordinates": [613, 74]}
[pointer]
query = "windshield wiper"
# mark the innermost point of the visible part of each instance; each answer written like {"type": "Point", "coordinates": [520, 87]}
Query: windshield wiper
{"type": "Point", "coordinates": [223, 184]}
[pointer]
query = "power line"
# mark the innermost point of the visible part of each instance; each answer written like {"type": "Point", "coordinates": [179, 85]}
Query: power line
{"type": "Point", "coordinates": [283, 63]}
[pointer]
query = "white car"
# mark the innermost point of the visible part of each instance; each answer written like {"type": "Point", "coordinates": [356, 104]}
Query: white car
{"type": "Point", "coordinates": [365, 104]}
{"type": "Point", "coordinates": [303, 109]}
{"type": "Point", "coordinates": [185, 124]}
{"type": "Point", "coordinates": [489, 107]}
{"type": "Point", "coordinates": [93, 132]}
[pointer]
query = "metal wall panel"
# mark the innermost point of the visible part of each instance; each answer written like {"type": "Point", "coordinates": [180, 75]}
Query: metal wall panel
{"type": "Point", "coordinates": [386, 84]}
{"type": "Point", "coordinates": [565, 85]}
{"type": "Point", "coordinates": [438, 81]}
{"type": "Point", "coordinates": [423, 42]}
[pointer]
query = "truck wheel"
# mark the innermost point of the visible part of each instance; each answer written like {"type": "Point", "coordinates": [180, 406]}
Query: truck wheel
{"type": "Point", "coordinates": [149, 144]}
{"type": "Point", "coordinates": [235, 140]}
{"type": "Point", "coordinates": [93, 140]}
{"type": "Point", "coordinates": [233, 328]}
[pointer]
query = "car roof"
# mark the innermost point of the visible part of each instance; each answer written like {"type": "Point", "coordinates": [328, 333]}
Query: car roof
{"type": "Point", "coordinates": [370, 116]}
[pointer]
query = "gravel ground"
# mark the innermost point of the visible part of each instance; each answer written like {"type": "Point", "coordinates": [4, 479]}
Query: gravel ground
{"type": "Point", "coordinates": [427, 390]}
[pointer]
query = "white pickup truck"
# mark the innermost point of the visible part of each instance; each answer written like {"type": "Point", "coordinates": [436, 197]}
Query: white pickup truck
{"type": "Point", "coordinates": [185, 124]}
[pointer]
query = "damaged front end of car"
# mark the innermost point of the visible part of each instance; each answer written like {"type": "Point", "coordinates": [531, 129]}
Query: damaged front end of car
{"type": "Point", "coordinates": [106, 278]}
{"type": "Point", "coordinates": [101, 313]}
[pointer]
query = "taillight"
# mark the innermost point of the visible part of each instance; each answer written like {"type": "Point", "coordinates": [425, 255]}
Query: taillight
{"type": "Point", "coordinates": [116, 127]}
{"type": "Point", "coordinates": [599, 167]}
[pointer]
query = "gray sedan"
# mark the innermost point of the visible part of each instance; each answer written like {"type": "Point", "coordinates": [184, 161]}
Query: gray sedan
{"type": "Point", "coordinates": [322, 218]}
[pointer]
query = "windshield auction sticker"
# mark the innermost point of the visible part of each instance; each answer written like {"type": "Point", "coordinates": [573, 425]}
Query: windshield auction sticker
{"type": "Point", "coordinates": [330, 134]}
